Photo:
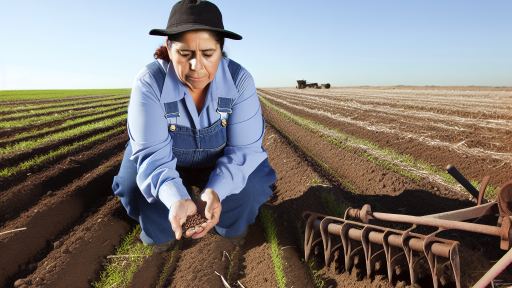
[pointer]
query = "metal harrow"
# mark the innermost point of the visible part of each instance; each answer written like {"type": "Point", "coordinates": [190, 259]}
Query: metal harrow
{"type": "Point", "coordinates": [398, 245]}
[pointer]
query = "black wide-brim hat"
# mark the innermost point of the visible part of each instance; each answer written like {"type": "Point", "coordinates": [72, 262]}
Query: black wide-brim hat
{"type": "Point", "coordinates": [189, 15]}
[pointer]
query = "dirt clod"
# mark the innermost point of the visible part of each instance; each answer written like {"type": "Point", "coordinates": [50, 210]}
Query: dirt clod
{"type": "Point", "coordinates": [19, 283]}
{"type": "Point", "coordinates": [57, 245]}
{"type": "Point", "coordinates": [38, 282]}
{"type": "Point", "coordinates": [192, 221]}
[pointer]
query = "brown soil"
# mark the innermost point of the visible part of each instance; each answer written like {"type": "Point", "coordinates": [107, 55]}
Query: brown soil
{"type": "Point", "coordinates": [54, 216]}
{"type": "Point", "coordinates": [57, 105]}
{"type": "Point", "coordinates": [13, 159]}
{"type": "Point", "coordinates": [455, 88]}
{"type": "Point", "coordinates": [472, 167]}
{"type": "Point", "coordinates": [147, 275]}
{"type": "Point", "coordinates": [42, 101]}
{"type": "Point", "coordinates": [11, 132]}
{"type": "Point", "coordinates": [386, 192]}
{"type": "Point", "coordinates": [193, 221]}
{"type": "Point", "coordinates": [81, 254]}
{"type": "Point", "coordinates": [9, 141]}
{"type": "Point", "coordinates": [30, 189]}
{"type": "Point", "coordinates": [484, 137]}
{"type": "Point", "coordinates": [73, 222]}
{"type": "Point", "coordinates": [34, 115]}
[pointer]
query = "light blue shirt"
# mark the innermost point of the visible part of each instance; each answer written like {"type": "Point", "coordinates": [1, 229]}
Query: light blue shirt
{"type": "Point", "coordinates": [157, 177]}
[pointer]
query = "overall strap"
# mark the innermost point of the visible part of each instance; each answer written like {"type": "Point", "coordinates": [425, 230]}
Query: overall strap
{"type": "Point", "coordinates": [226, 103]}
{"type": "Point", "coordinates": [234, 70]}
{"type": "Point", "coordinates": [157, 71]}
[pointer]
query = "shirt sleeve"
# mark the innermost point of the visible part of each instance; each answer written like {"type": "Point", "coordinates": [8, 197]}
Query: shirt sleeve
{"type": "Point", "coordinates": [243, 152]}
{"type": "Point", "coordinates": [157, 177]}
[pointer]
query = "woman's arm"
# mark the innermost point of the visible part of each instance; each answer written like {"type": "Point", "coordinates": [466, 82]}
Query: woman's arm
{"type": "Point", "coordinates": [157, 177]}
{"type": "Point", "coordinates": [243, 152]}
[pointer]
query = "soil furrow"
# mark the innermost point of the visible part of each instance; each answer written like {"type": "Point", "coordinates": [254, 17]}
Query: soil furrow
{"type": "Point", "coordinates": [41, 135]}
{"type": "Point", "coordinates": [77, 257]}
{"type": "Point", "coordinates": [377, 180]}
{"type": "Point", "coordinates": [412, 103]}
{"type": "Point", "coordinates": [20, 109]}
{"type": "Point", "coordinates": [53, 215]}
{"type": "Point", "coordinates": [199, 260]}
{"type": "Point", "coordinates": [44, 100]}
{"type": "Point", "coordinates": [67, 110]}
{"type": "Point", "coordinates": [473, 167]}
{"type": "Point", "coordinates": [147, 275]}
{"type": "Point", "coordinates": [387, 114]}
{"type": "Point", "coordinates": [12, 132]}
{"type": "Point", "coordinates": [384, 190]}
{"type": "Point", "coordinates": [18, 198]}
{"type": "Point", "coordinates": [488, 139]}
{"type": "Point", "coordinates": [13, 159]}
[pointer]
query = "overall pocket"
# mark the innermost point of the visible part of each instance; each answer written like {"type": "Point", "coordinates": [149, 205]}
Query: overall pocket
{"type": "Point", "coordinates": [198, 158]}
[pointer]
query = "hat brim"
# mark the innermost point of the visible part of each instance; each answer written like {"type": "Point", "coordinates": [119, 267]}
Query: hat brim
{"type": "Point", "coordinates": [185, 28]}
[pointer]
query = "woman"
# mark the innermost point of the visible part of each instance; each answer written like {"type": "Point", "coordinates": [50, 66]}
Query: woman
{"type": "Point", "coordinates": [194, 119]}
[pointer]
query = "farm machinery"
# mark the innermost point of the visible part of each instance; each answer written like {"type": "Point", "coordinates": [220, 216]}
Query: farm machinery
{"type": "Point", "coordinates": [335, 236]}
{"type": "Point", "coordinates": [302, 84]}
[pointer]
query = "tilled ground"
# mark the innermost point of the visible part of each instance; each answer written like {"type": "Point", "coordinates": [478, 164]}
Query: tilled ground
{"type": "Point", "coordinates": [471, 131]}
{"type": "Point", "coordinates": [74, 222]}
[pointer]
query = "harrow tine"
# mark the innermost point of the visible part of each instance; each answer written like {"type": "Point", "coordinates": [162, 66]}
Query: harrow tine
{"type": "Point", "coordinates": [455, 261]}
{"type": "Point", "coordinates": [406, 238]}
{"type": "Point", "coordinates": [369, 257]}
{"type": "Point", "coordinates": [347, 244]}
{"type": "Point", "coordinates": [309, 239]}
{"type": "Point", "coordinates": [326, 237]}
{"type": "Point", "coordinates": [393, 254]}
{"type": "Point", "coordinates": [431, 257]}
{"type": "Point", "coordinates": [481, 193]}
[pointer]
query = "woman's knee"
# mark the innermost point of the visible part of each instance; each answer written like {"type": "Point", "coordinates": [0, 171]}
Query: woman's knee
{"type": "Point", "coordinates": [125, 181]}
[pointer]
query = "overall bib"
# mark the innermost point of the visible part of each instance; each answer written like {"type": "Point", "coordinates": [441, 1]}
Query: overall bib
{"type": "Point", "coordinates": [197, 151]}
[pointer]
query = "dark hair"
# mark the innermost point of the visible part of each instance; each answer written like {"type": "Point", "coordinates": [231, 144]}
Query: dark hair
{"type": "Point", "coordinates": [162, 53]}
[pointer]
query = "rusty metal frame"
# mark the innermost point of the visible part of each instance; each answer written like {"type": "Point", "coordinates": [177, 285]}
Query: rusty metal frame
{"type": "Point", "coordinates": [397, 243]}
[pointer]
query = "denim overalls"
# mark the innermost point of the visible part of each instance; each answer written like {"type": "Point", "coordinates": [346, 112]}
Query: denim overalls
{"type": "Point", "coordinates": [197, 151]}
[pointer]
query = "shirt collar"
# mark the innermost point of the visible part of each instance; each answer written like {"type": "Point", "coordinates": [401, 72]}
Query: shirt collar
{"type": "Point", "coordinates": [223, 82]}
{"type": "Point", "coordinates": [173, 89]}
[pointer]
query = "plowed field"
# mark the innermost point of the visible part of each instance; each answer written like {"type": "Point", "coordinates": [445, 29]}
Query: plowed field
{"type": "Point", "coordinates": [330, 148]}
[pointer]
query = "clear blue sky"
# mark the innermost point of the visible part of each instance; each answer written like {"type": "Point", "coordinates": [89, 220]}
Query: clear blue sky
{"type": "Point", "coordinates": [104, 44]}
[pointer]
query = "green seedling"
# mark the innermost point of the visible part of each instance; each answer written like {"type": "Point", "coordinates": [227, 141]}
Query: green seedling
{"type": "Point", "coordinates": [54, 154]}
{"type": "Point", "coordinates": [66, 115]}
{"type": "Point", "coordinates": [10, 95]}
{"type": "Point", "coordinates": [231, 263]}
{"type": "Point", "coordinates": [163, 274]}
{"type": "Point", "coordinates": [63, 134]}
{"type": "Point", "coordinates": [121, 267]}
{"type": "Point", "coordinates": [69, 123]}
{"type": "Point", "coordinates": [267, 219]}
{"type": "Point", "coordinates": [331, 207]}
{"type": "Point", "coordinates": [317, 279]}
{"type": "Point", "coordinates": [56, 105]}
{"type": "Point", "coordinates": [38, 113]}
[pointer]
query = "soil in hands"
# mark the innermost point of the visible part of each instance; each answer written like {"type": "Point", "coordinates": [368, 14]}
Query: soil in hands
{"type": "Point", "coordinates": [193, 221]}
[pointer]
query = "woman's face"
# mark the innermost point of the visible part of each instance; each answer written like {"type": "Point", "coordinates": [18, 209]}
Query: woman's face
{"type": "Point", "coordinates": [195, 58]}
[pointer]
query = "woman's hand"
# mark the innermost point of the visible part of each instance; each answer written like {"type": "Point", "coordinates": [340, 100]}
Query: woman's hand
{"type": "Point", "coordinates": [208, 206]}
{"type": "Point", "coordinates": [178, 215]}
